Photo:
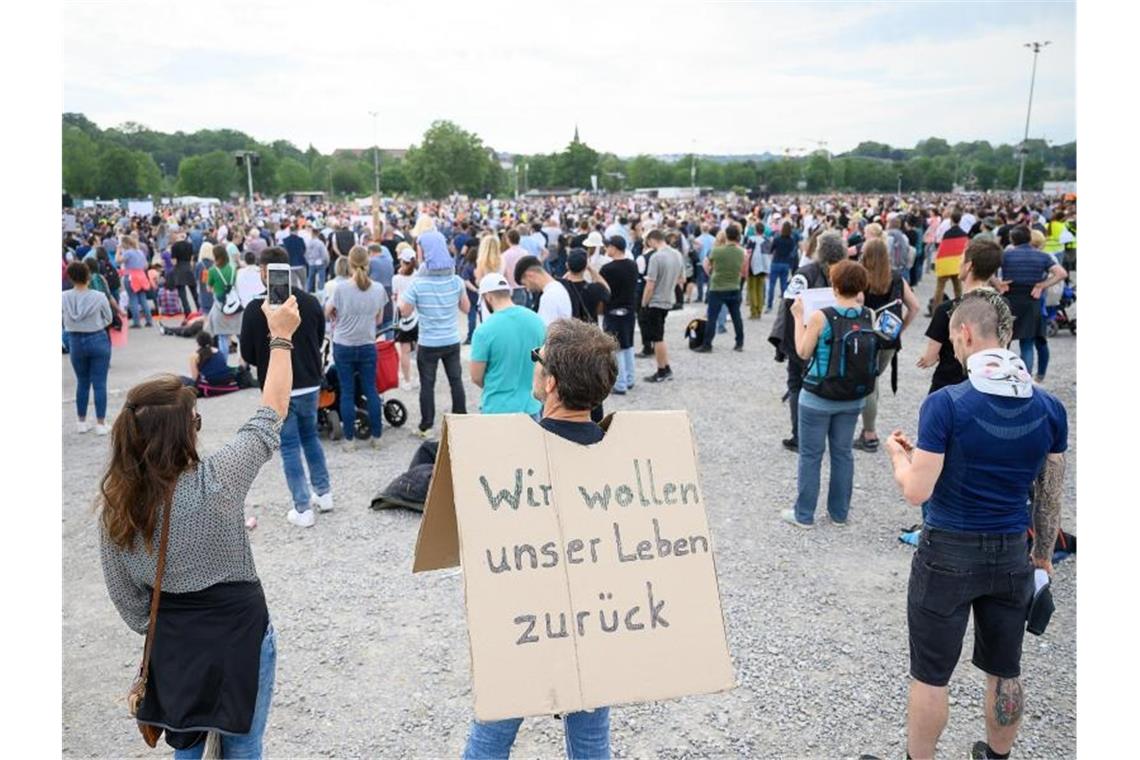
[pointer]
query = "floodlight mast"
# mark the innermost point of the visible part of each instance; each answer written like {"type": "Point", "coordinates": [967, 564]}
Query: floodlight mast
{"type": "Point", "coordinates": [1037, 47]}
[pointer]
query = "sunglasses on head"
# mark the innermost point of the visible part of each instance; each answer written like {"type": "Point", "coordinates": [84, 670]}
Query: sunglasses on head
{"type": "Point", "coordinates": [535, 356]}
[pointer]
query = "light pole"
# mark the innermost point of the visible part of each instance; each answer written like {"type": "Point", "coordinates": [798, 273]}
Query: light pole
{"type": "Point", "coordinates": [693, 169]}
{"type": "Point", "coordinates": [249, 158]}
{"type": "Point", "coordinates": [375, 152]}
{"type": "Point", "coordinates": [375, 176]}
{"type": "Point", "coordinates": [1036, 47]}
{"type": "Point", "coordinates": [526, 175]}
{"type": "Point", "coordinates": [900, 186]}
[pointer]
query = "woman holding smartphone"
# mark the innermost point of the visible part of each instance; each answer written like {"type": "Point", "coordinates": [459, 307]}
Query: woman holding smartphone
{"type": "Point", "coordinates": [163, 502]}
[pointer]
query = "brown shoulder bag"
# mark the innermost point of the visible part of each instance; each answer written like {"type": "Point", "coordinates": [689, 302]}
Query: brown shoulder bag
{"type": "Point", "coordinates": [151, 734]}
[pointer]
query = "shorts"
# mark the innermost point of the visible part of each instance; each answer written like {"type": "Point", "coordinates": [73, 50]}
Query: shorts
{"type": "Point", "coordinates": [654, 328]}
{"type": "Point", "coordinates": [953, 573]}
{"type": "Point", "coordinates": [621, 327]}
{"type": "Point", "coordinates": [408, 336]}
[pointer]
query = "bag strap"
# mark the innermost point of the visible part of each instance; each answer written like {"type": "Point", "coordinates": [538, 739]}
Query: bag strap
{"type": "Point", "coordinates": [156, 593]}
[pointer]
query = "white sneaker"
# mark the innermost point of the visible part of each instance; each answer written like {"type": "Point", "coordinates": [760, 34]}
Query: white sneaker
{"type": "Point", "coordinates": [306, 519]}
{"type": "Point", "coordinates": [789, 516]}
{"type": "Point", "coordinates": [323, 503]}
{"type": "Point", "coordinates": [102, 429]}
{"type": "Point", "coordinates": [347, 444]}
{"type": "Point", "coordinates": [408, 385]}
{"type": "Point", "coordinates": [83, 427]}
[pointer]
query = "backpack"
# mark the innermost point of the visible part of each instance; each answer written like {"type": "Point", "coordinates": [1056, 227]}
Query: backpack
{"type": "Point", "coordinates": [695, 333]}
{"type": "Point", "coordinates": [577, 305]}
{"type": "Point", "coordinates": [231, 303]}
{"type": "Point", "coordinates": [854, 361]}
{"type": "Point", "coordinates": [110, 274]}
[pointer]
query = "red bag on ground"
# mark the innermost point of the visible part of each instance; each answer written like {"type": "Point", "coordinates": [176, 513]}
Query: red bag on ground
{"type": "Point", "coordinates": [387, 366]}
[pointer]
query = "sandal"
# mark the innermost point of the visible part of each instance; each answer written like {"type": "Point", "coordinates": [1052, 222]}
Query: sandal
{"type": "Point", "coordinates": [865, 444]}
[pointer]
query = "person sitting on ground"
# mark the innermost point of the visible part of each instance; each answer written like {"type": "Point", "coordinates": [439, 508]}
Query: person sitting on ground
{"type": "Point", "coordinates": [573, 373]}
{"type": "Point", "coordinates": [207, 365]}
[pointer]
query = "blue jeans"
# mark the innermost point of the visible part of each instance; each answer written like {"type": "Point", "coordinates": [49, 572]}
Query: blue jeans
{"type": "Point", "coordinates": [625, 379]}
{"type": "Point", "coordinates": [299, 436]}
{"type": "Point", "coordinates": [316, 278]}
{"type": "Point", "coordinates": [90, 355]}
{"type": "Point", "coordinates": [730, 300]}
{"type": "Point", "coordinates": [248, 745]}
{"type": "Point", "coordinates": [223, 344]}
{"type": "Point", "coordinates": [780, 272]}
{"type": "Point", "coordinates": [1027, 347]}
{"type": "Point", "coordinates": [836, 429]}
{"type": "Point", "coordinates": [472, 316]}
{"type": "Point", "coordinates": [702, 280]}
{"type": "Point", "coordinates": [351, 361]}
{"type": "Point", "coordinates": [1042, 345]}
{"type": "Point", "coordinates": [587, 736]}
{"type": "Point", "coordinates": [138, 301]}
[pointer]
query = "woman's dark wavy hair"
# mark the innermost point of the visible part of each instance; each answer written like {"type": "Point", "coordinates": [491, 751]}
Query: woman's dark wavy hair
{"type": "Point", "coordinates": [153, 441]}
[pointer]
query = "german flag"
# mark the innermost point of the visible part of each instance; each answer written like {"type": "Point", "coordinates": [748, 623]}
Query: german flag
{"type": "Point", "coordinates": [948, 259]}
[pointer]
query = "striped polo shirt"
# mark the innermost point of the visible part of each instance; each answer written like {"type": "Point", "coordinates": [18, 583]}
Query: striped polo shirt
{"type": "Point", "coordinates": [436, 294]}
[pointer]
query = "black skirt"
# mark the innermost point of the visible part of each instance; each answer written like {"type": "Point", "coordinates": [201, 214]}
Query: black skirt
{"type": "Point", "coordinates": [205, 662]}
{"type": "Point", "coordinates": [1027, 322]}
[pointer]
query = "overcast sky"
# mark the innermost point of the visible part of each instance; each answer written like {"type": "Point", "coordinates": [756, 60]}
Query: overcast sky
{"type": "Point", "coordinates": [636, 78]}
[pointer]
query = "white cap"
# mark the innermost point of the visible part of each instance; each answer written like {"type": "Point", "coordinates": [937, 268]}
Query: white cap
{"type": "Point", "coordinates": [408, 254]}
{"type": "Point", "coordinates": [493, 283]}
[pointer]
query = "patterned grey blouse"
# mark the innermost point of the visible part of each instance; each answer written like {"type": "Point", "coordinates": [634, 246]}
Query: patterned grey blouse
{"type": "Point", "coordinates": [208, 540]}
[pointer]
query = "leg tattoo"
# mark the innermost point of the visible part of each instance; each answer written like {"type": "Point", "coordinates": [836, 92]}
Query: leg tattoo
{"type": "Point", "coordinates": [1009, 701]}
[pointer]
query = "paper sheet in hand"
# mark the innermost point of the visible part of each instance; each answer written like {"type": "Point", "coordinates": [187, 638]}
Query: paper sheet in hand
{"type": "Point", "coordinates": [816, 299]}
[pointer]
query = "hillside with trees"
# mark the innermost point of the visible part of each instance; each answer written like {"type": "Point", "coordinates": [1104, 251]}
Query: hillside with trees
{"type": "Point", "coordinates": [133, 161]}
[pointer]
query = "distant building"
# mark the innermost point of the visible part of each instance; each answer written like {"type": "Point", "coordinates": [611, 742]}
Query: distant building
{"type": "Point", "coordinates": [304, 196]}
{"type": "Point", "coordinates": [396, 154]}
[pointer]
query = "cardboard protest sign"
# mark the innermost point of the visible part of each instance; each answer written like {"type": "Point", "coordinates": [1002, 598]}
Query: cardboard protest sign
{"type": "Point", "coordinates": [588, 570]}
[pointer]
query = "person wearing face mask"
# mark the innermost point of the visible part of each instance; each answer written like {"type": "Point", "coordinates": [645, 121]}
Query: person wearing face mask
{"type": "Point", "coordinates": [500, 350]}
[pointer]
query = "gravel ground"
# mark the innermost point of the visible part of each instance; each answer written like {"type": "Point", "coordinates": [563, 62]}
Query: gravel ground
{"type": "Point", "coordinates": [373, 661]}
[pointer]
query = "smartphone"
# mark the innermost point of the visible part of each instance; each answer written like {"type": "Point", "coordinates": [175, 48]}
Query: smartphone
{"type": "Point", "coordinates": [279, 284]}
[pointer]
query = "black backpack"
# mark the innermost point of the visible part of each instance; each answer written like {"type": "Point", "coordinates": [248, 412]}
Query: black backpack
{"type": "Point", "coordinates": [854, 361]}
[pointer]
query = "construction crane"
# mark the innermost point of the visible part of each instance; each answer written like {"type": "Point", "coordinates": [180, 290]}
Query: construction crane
{"type": "Point", "coordinates": [788, 151]}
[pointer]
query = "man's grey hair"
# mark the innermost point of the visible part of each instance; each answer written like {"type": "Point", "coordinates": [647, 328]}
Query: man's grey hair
{"type": "Point", "coordinates": [987, 313]}
{"type": "Point", "coordinates": [830, 248]}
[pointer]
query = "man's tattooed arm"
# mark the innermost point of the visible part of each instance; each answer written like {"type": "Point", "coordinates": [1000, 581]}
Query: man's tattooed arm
{"type": "Point", "coordinates": [1047, 509]}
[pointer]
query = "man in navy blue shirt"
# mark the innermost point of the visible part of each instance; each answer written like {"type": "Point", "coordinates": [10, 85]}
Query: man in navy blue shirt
{"type": "Point", "coordinates": [295, 246]}
{"type": "Point", "coordinates": [983, 445]}
{"type": "Point", "coordinates": [1028, 272]}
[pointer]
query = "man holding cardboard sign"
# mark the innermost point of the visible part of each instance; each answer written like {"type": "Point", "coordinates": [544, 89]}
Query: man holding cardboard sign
{"type": "Point", "coordinates": [588, 584]}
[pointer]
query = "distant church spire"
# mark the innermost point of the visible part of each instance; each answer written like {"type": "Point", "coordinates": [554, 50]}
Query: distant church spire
{"type": "Point", "coordinates": [576, 132]}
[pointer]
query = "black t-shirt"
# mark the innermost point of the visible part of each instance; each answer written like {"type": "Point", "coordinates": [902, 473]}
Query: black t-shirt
{"type": "Point", "coordinates": [182, 252]}
{"type": "Point", "coordinates": [1003, 234]}
{"type": "Point", "coordinates": [949, 370]}
{"type": "Point", "coordinates": [584, 433]}
{"type": "Point", "coordinates": [585, 297]}
{"type": "Point", "coordinates": [306, 353]}
{"type": "Point", "coordinates": [621, 276]}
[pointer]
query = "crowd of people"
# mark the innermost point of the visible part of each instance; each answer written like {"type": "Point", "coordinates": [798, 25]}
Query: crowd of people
{"type": "Point", "coordinates": [552, 295]}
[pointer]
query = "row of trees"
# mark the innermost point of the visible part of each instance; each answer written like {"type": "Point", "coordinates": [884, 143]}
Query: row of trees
{"type": "Point", "coordinates": [133, 161]}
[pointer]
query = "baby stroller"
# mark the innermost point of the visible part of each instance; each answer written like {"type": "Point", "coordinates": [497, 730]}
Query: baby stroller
{"type": "Point", "coordinates": [387, 378]}
{"type": "Point", "coordinates": [1057, 315]}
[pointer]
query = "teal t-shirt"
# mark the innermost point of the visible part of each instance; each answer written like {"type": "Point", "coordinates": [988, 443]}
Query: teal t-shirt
{"type": "Point", "coordinates": [504, 341]}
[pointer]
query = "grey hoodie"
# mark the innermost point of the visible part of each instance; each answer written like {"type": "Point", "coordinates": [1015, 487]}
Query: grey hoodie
{"type": "Point", "coordinates": [85, 311]}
